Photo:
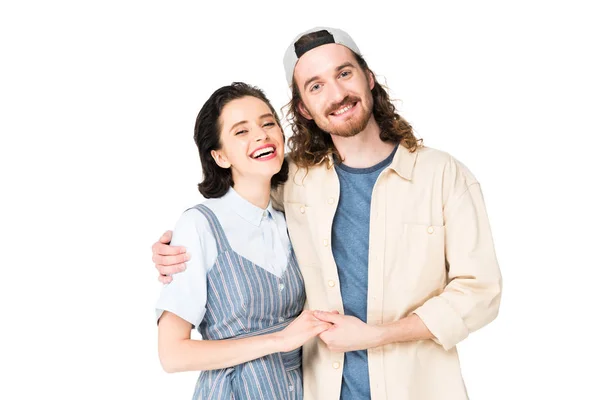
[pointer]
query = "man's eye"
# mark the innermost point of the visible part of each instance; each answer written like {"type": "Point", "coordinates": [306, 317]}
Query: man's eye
{"type": "Point", "coordinates": [315, 87]}
{"type": "Point", "coordinates": [345, 74]}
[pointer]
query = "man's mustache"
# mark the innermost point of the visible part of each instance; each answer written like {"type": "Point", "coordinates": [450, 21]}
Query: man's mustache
{"type": "Point", "coordinates": [348, 100]}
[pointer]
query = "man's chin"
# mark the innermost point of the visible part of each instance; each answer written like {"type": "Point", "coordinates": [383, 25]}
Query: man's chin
{"type": "Point", "coordinates": [344, 133]}
{"type": "Point", "coordinates": [348, 130]}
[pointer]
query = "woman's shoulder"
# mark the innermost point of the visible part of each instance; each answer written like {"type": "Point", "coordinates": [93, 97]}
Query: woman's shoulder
{"type": "Point", "coordinates": [195, 212]}
{"type": "Point", "coordinates": [194, 217]}
{"type": "Point", "coordinates": [194, 225]}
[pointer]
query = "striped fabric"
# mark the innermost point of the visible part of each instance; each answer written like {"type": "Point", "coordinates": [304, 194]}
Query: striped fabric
{"type": "Point", "coordinates": [245, 300]}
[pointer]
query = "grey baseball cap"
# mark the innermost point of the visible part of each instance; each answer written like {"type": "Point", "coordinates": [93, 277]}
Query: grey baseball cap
{"type": "Point", "coordinates": [326, 36]}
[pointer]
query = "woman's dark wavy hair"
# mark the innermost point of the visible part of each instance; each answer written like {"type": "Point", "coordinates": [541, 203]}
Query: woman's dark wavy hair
{"type": "Point", "coordinates": [207, 135]}
{"type": "Point", "coordinates": [309, 144]}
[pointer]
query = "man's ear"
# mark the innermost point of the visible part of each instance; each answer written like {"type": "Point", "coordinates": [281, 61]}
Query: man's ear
{"type": "Point", "coordinates": [303, 111]}
{"type": "Point", "coordinates": [220, 159]}
{"type": "Point", "coordinates": [371, 79]}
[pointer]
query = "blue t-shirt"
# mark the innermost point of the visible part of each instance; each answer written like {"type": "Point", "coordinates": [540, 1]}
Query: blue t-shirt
{"type": "Point", "coordinates": [350, 245]}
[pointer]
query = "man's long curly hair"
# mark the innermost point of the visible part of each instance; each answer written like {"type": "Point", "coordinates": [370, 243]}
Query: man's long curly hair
{"type": "Point", "coordinates": [309, 144]}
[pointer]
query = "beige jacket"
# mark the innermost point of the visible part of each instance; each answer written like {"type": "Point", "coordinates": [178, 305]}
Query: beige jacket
{"type": "Point", "coordinates": [431, 253]}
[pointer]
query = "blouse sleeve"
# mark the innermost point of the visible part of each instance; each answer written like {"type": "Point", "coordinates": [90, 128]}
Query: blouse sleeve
{"type": "Point", "coordinates": [185, 296]}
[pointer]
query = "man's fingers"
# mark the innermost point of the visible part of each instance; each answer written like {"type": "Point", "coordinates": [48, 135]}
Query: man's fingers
{"type": "Point", "coordinates": [329, 316]}
{"type": "Point", "coordinates": [170, 269]}
{"type": "Point", "coordinates": [325, 336]}
{"type": "Point", "coordinates": [161, 249]}
{"type": "Point", "coordinates": [164, 279]}
{"type": "Point", "coordinates": [170, 260]}
{"type": "Point", "coordinates": [322, 327]}
{"type": "Point", "coordinates": [166, 237]}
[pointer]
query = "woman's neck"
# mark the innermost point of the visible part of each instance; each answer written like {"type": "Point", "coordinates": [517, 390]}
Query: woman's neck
{"type": "Point", "coordinates": [257, 192]}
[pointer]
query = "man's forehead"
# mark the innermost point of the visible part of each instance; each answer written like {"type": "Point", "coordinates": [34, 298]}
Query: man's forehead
{"type": "Point", "coordinates": [321, 60]}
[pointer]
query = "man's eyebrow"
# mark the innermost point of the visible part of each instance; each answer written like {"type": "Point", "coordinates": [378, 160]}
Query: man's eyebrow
{"type": "Point", "coordinates": [338, 68]}
{"type": "Point", "coordinates": [345, 65]}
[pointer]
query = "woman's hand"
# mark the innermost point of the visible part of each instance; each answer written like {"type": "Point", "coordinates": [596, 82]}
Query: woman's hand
{"type": "Point", "coordinates": [305, 327]}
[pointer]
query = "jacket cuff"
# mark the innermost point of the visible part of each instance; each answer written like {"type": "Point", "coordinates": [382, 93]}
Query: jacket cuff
{"type": "Point", "coordinates": [443, 322]}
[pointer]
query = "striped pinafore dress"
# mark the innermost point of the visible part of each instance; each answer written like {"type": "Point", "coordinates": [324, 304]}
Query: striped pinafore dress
{"type": "Point", "coordinates": [245, 300]}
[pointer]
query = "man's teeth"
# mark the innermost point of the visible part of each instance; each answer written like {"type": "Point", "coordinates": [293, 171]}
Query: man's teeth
{"type": "Point", "coordinates": [263, 152]}
{"type": "Point", "coordinates": [343, 110]}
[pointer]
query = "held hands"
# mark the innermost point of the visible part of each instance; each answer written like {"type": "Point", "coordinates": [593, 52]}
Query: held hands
{"type": "Point", "coordinates": [348, 333]}
{"type": "Point", "coordinates": [302, 329]}
{"type": "Point", "coordinates": [167, 259]}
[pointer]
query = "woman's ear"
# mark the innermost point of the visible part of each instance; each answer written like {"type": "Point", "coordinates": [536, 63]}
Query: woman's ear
{"type": "Point", "coordinates": [220, 159]}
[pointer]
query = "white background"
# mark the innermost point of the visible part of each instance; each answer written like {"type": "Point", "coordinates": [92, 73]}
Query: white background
{"type": "Point", "coordinates": [97, 107]}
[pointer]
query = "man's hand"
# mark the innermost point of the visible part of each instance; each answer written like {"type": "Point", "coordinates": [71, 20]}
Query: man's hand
{"type": "Point", "coordinates": [168, 260]}
{"type": "Point", "coordinates": [348, 333]}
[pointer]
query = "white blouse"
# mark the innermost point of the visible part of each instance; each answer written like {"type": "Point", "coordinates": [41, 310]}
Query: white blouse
{"type": "Point", "coordinates": [256, 234]}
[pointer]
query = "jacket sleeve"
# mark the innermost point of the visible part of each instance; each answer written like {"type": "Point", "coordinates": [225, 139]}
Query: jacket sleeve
{"type": "Point", "coordinates": [471, 298]}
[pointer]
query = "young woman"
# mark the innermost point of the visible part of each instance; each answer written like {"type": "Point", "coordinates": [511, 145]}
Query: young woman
{"type": "Point", "coordinates": [242, 288]}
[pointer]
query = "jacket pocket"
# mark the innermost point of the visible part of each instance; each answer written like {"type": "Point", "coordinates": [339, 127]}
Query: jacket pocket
{"type": "Point", "coordinates": [423, 256]}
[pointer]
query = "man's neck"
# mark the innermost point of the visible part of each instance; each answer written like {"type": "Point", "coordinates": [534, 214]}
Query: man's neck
{"type": "Point", "coordinates": [364, 149]}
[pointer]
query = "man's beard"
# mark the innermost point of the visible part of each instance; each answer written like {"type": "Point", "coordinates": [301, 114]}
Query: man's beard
{"type": "Point", "coordinates": [352, 126]}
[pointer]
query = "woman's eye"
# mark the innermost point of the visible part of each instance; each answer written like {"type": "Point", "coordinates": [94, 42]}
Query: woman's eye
{"type": "Point", "coordinates": [269, 124]}
{"type": "Point", "coordinates": [241, 132]}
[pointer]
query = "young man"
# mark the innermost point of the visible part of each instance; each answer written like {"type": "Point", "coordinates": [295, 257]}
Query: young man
{"type": "Point", "coordinates": [392, 237]}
